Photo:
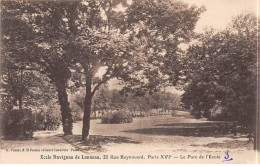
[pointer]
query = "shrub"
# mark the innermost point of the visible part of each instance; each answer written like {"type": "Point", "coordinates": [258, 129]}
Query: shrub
{"type": "Point", "coordinates": [107, 118]}
{"type": "Point", "coordinates": [173, 113]}
{"type": "Point", "coordinates": [46, 120]}
{"type": "Point", "coordinates": [117, 117]}
{"type": "Point", "coordinates": [196, 114]}
{"type": "Point", "coordinates": [49, 118]}
{"type": "Point", "coordinates": [76, 112]}
{"type": "Point", "coordinates": [18, 124]}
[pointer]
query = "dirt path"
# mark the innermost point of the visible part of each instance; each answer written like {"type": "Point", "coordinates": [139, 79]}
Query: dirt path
{"type": "Point", "coordinates": [155, 135]}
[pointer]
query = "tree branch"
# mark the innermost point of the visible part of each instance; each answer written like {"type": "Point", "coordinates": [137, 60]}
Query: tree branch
{"type": "Point", "coordinates": [104, 80]}
{"type": "Point", "coordinates": [28, 69]}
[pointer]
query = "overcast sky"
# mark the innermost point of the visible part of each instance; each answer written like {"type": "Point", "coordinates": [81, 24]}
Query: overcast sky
{"type": "Point", "coordinates": [218, 15]}
{"type": "Point", "coordinates": [220, 12]}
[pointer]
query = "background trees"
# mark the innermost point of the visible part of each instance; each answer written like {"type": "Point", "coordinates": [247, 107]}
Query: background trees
{"type": "Point", "coordinates": [106, 100]}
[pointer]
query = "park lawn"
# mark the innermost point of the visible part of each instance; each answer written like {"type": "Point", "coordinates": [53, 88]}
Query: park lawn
{"type": "Point", "coordinates": [154, 135]}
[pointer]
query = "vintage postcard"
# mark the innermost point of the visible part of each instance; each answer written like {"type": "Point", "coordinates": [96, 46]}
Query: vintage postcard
{"type": "Point", "coordinates": [129, 81]}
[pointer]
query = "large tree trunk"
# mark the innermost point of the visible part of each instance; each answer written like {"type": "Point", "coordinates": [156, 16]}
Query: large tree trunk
{"type": "Point", "coordinates": [65, 109]}
{"type": "Point", "coordinates": [87, 109]}
{"type": "Point", "coordinates": [21, 93]}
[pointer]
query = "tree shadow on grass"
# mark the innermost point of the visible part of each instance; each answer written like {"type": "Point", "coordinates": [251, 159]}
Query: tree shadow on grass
{"type": "Point", "coordinates": [207, 129]}
{"type": "Point", "coordinates": [96, 142]}
{"type": "Point", "coordinates": [192, 132]}
{"type": "Point", "coordinates": [204, 124]}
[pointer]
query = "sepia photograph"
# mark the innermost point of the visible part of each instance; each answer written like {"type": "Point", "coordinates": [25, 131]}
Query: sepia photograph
{"type": "Point", "coordinates": [129, 82]}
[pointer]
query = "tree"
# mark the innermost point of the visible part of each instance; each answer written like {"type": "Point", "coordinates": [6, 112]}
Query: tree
{"type": "Point", "coordinates": [221, 71]}
{"type": "Point", "coordinates": [132, 49]}
{"type": "Point", "coordinates": [29, 36]}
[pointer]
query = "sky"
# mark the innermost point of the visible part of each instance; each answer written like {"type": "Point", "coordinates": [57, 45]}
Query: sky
{"type": "Point", "coordinates": [218, 15]}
